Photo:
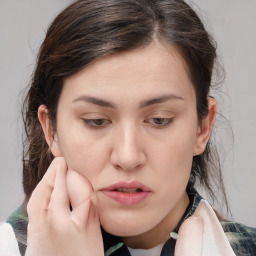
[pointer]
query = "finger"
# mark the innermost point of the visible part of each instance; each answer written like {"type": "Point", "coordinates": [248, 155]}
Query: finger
{"type": "Point", "coordinates": [190, 238]}
{"type": "Point", "coordinates": [79, 188]}
{"type": "Point", "coordinates": [59, 199]}
{"type": "Point", "coordinates": [40, 198]}
{"type": "Point", "coordinates": [94, 230]}
{"type": "Point", "coordinates": [80, 193]}
{"type": "Point", "coordinates": [93, 217]}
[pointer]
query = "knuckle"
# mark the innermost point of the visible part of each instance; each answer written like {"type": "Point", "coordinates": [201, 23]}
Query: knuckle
{"type": "Point", "coordinates": [50, 209]}
{"type": "Point", "coordinates": [76, 223]}
{"type": "Point", "coordinates": [48, 186]}
{"type": "Point", "coordinates": [30, 208]}
{"type": "Point", "coordinates": [59, 162]}
{"type": "Point", "coordinates": [31, 204]}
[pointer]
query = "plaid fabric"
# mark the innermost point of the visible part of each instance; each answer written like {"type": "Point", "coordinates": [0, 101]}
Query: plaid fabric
{"type": "Point", "coordinates": [242, 238]}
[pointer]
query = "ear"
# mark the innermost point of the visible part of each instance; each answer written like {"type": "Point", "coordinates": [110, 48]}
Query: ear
{"type": "Point", "coordinates": [50, 136]}
{"type": "Point", "coordinates": [204, 130]}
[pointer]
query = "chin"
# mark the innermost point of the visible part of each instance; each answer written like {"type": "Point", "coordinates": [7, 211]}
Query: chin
{"type": "Point", "coordinates": [125, 226]}
{"type": "Point", "coordinates": [122, 231]}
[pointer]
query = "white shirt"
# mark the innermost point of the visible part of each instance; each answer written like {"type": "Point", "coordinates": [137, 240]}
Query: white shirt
{"type": "Point", "coordinates": [8, 243]}
{"type": "Point", "coordinates": [155, 251]}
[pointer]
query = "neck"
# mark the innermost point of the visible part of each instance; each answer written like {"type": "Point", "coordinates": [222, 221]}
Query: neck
{"type": "Point", "coordinates": [161, 232]}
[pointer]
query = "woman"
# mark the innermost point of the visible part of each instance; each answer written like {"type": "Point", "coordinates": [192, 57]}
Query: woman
{"type": "Point", "coordinates": [118, 119]}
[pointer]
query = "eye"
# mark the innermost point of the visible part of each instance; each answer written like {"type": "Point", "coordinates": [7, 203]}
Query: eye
{"type": "Point", "coordinates": [158, 121]}
{"type": "Point", "coordinates": [96, 123]}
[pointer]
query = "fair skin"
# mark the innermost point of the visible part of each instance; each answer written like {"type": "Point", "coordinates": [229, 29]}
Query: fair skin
{"type": "Point", "coordinates": [126, 117]}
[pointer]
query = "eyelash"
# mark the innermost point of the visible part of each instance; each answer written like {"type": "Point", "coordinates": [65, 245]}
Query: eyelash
{"type": "Point", "coordinates": [167, 121]}
{"type": "Point", "coordinates": [91, 122]}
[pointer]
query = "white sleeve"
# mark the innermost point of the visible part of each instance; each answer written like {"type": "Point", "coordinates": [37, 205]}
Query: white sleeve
{"type": "Point", "coordinates": [8, 243]}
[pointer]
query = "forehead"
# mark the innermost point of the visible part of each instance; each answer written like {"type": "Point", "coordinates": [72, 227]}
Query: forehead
{"type": "Point", "coordinates": [155, 68]}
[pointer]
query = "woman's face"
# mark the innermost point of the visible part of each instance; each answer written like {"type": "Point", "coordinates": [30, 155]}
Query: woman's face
{"type": "Point", "coordinates": [131, 117]}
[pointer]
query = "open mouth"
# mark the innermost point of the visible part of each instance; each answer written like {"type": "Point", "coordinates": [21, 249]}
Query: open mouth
{"type": "Point", "coordinates": [128, 190]}
{"type": "Point", "coordinates": [127, 193]}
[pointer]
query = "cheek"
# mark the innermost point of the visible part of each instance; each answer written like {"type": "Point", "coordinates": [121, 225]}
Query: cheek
{"type": "Point", "coordinates": [176, 151]}
{"type": "Point", "coordinates": [84, 155]}
{"type": "Point", "coordinates": [173, 160]}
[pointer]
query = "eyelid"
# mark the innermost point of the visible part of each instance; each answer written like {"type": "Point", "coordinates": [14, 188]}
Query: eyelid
{"type": "Point", "coordinates": [160, 114]}
{"type": "Point", "coordinates": [167, 122]}
{"type": "Point", "coordinates": [89, 122]}
{"type": "Point", "coordinates": [94, 115]}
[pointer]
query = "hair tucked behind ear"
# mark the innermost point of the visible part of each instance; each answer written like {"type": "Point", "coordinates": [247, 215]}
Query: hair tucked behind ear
{"type": "Point", "coordinates": [90, 29]}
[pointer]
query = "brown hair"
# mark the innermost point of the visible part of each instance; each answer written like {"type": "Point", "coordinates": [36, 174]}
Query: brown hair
{"type": "Point", "coordinates": [89, 29]}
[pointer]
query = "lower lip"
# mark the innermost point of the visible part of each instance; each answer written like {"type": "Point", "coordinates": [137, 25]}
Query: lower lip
{"type": "Point", "coordinates": [127, 198]}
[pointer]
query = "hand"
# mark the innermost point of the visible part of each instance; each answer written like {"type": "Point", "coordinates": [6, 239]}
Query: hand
{"type": "Point", "coordinates": [56, 230]}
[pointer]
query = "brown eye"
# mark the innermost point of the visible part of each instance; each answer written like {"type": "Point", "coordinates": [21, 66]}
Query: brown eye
{"type": "Point", "coordinates": [158, 121]}
{"type": "Point", "coordinates": [96, 122]}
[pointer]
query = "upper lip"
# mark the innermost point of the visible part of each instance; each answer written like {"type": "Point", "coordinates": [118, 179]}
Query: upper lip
{"type": "Point", "coordinates": [127, 185]}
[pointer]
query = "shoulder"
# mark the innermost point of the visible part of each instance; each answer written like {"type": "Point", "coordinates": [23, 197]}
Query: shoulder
{"type": "Point", "coordinates": [8, 242]}
{"type": "Point", "coordinates": [241, 237]}
{"type": "Point", "coordinates": [17, 225]}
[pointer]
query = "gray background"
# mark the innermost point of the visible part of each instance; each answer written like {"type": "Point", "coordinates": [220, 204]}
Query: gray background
{"type": "Point", "coordinates": [232, 22]}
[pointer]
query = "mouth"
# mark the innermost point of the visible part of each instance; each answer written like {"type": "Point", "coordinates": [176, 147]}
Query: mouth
{"type": "Point", "coordinates": [128, 190]}
{"type": "Point", "coordinates": [127, 193]}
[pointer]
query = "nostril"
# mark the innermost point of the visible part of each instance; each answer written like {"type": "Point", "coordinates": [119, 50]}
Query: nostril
{"type": "Point", "coordinates": [127, 158]}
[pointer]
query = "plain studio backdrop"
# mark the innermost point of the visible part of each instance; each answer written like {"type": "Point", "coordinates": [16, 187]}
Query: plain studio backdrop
{"type": "Point", "coordinates": [232, 23]}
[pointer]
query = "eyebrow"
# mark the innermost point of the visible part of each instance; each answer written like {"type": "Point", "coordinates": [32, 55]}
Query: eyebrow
{"type": "Point", "coordinates": [145, 103]}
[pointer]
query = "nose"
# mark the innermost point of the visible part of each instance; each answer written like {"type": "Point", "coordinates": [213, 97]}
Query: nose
{"type": "Point", "coordinates": [128, 153]}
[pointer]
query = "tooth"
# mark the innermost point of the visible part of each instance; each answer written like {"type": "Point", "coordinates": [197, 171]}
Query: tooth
{"type": "Point", "coordinates": [128, 190]}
